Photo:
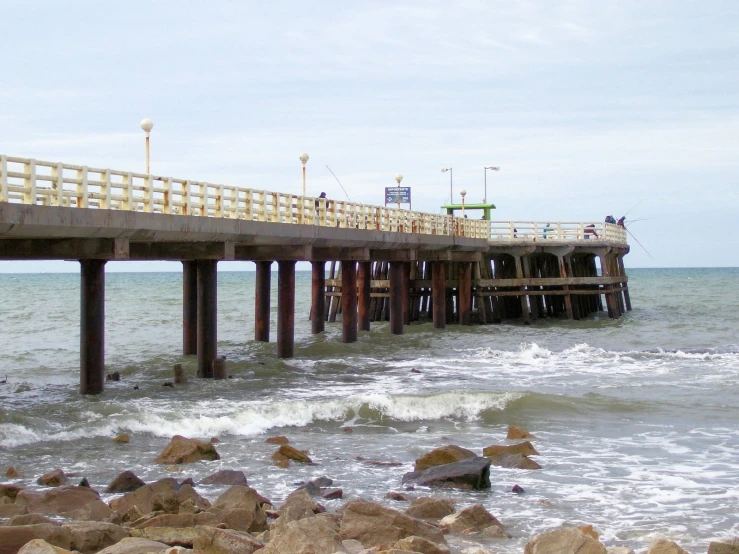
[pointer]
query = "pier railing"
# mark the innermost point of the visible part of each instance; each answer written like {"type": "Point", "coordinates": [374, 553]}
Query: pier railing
{"type": "Point", "coordinates": [36, 182]}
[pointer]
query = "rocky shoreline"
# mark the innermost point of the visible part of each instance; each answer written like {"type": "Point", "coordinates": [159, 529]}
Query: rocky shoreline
{"type": "Point", "coordinates": [170, 516]}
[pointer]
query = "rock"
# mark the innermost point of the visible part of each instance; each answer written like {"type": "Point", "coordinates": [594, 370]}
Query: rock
{"type": "Point", "coordinates": [31, 519]}
{"type": "Point", "coordinates": [122, 438]}
{"type": "Point", "coordinates": [12, 473]}
{"type": "Point", "coordinates": [135, 545]}
{"type": "Point", "coordinates": [277, 440]}
{"type": "Point", "coordinates": [179, 374]}
{"type": "Point", "coordinates": [169, 384]}
{"type": "Point", "coordinates": [398, 496]}
{"type": "Point", "coordinates": [474, 517]}
{"type": "Point", "coordinates": [165, 501]}
{"type": "Point", "coordinates": [174, 468]}
{"type": "Point", "coordinates": [10, 491]}
{"type": "Point", "coordinates": [97, 510]}
{"type": "Point", "coordinates": [210, 540]}
{"type": "Point", "coordinates": [623, 550]}
{"type": "Point", "coordinates": [54, 478]}
{"type": "Point", "coordinates": [301, 499]}
{"type": "Point", "coordinates": [182, 450]}
{"type": "Point", "coordinates": [525, 448]}
{"type": "Point", "coordinates": [373, 524]}
{"type": "Point", "coordinates": [84, 483]}
{"type": "Point", "coordinates": [89, 537]}
{"type": "Point", "coordinates": [188, 494]}
{"type": "Point", "coordinates": [219, 368]}
{"type": "Point", "coordinates": [567, 540]}
{"type": "Point", "coordinates": [125, 482]}
{"type": "Point", "coordinates": [515, 432]}
{"type": "Point", "coordinates": [177, 521]}
{"type": "Point", "coordinates": [443, 455]}
{"type": "Point", "coordinates": [115, 376]}
{"type": "Point", "coordinates": [10, 510]}
{"type": "Point", "coordinates": [306, 536]}
{"type": "Point", "coordinates": [239, 509]}
{"type": "Point", "coordinates": [40, 546]}
{"type": "Point", "coordinates": [225, 477]}
{"type": "Point", "coordinates": [133, 514]}
{"type": "Point", "coordinates": [347, 429]}
{"type": "Point", "coordinates": [664, 546]}
{"type": "Point", "coordinates": [495, 532]}
{"type": "Point", "coordinates": [322, 481]}
{"type": "Point", "coordinates": [414, 370]}
{"type": "Point", "coordinates": [173, 536]}
{"type": "Point", "coordinates": [56, 501]}
{"type": "Point", "coordinates": [419, 544]}
{"type": "Point", "coordinates": [142, 497]}
{"type": "Point", "coordinates": [513, 461]}
{"type": "Point", "coordinates": [352, 547]}
{"type": "Point", "coordinates": [590, 530]}
{"type": "Point", "coordinates": [723, 547]}
{"type": "Point", "coordinates": [291, 453]}
{"type": "Point", "coordinates": [13, 538]}
{"type": "Point", "coordinates": [332, 494]}
{"type": "Point", "coordinates": [430, 508]}
{"type": "Point", "coordinates": [473, 473]}
{"type": "Point", "coordinates": [214, 440]}
{"type": "Point", "coordinates": [517, 489]}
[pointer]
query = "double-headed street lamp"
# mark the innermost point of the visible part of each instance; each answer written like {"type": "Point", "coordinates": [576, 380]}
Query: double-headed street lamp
{"type": "Point", "coordinates": [147, 125]}
{"type": "Point", "coordinates": [463, 192]}
{"type": "Point", "coordinates": [451, 175]}
{"type": "Point", "coordinates": [304, 158]}
{"type": "Point", "coordinates": [494, 168]}
{"type": "Point", "coordinates": [398, 179]}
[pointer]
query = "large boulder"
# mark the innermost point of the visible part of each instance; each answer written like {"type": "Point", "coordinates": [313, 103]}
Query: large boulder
{"type": "Point", "coordinates": [177, 521]}
{"type": "Point", "coordinates": [89, 537]}
{"type": "Point", "coordinates": [430, 508]}
{"type": "Point", "coordinates": [173, 536]}
{"type": "Point", "coordinates": [473, 473]}
{"type": "Point", "coordinates": [225, 477]}
{"type": "Point", "coordinates": [306, 536]}
{"type": "Point", "coordinates": [11, 510]}
{"type": "Point", "coordinates": [515, 432]}
{"type": "Point", "coordinates": [373, 524]}
{"type": "Point", "coordinates": [568, 540]}
{"type": "Point", "coordinates": [211, 540]}
{"type": "Point", "coordinates": [56, 501]}
{"type": "Point", "coordinates": [145, 497]}
{"type": "Point", "coordinates": [182, 450]}
{"type": "Point", "coordinates": [125, 482]}
{"type": "Point", "coordinates": [723, 547]}
{"type": "Point", "coordinates": [97, 510]}
{"type": "Point", "coordinates": [443, 455]}
{"type": "Point", "coordinates": [664, 546]}
{"type": "Point", "coordinates": [475, 518]}
{"type": "Point", "coordinates": [135, 545]}
{"type": "Point", "coordinates": [524, 448]}
{"type": "Point", "coordinates": [419, 544]}
{"type": "Point", "coordinates": [513, 461]}
{"type": "Point", "coordinates": [239, 508]}
{"type": "Point", "coordinates": [12, 538]}
{"type": "Point", "coordinates": [40, 546]}
{"type": "Point", "coordinates": [55, 478]}
{"type": "Point", "coordinates": [287, 452]}
{"type": "Point", "coordinates": [9, 491]}
{"type": "Point", "coordinates": [31, 519]}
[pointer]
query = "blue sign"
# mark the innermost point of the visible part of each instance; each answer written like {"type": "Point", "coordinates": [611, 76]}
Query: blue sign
{"type": "Point", "coordinates": [397, 195]}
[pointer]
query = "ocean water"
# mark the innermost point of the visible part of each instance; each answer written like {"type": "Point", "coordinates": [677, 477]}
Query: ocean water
{"type": "Point", "coordinates": [637, 419]}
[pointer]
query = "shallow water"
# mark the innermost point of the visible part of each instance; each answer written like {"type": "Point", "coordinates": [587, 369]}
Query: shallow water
{"type": "Point", "coordinates": [637, 419]}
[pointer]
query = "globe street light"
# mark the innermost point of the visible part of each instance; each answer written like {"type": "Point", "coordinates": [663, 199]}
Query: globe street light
{"type": "Point", "coordinates": [147, 125]}
{"type": "Point", "coordinates": [463, 192]}
{"type": "Point", "coordinates": [494, 168]}
{"type": "Point", "coordinates": [451, 175]}
{"type": "Point", "coordinates": [398, 179]}
{"type": "Point", "coordinates": [304, 158]}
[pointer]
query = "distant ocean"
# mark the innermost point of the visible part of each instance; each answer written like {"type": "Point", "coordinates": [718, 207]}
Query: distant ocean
{"type": "Point", "coordinates": [637, 419]}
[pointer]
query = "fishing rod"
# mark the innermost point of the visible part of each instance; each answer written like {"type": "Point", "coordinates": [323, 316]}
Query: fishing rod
{"type": "Point", "coordinates": [337, 180]}
{"type": "Point", "coordinates": [634, 206]}
{"type": "Point", "coordinates": [639, 243]}
{"type": "Point", "coordinates": [642, 219]}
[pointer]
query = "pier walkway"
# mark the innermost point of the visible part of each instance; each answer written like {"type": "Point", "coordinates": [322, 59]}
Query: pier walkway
{"type": "Point", "coordinates": [386, 263]}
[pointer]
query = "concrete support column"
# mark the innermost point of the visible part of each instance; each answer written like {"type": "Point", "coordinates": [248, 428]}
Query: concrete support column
{"type": "Point", "coordinates": [533, 304]}
{"type": "Point", "coordinates": [622, 272]}
{"type": "Point", "coordinates": [465, 292]}
{"type": "Point", "coordinates": [285, 309]}
{"type": "Point", "coordinates": [524, 303]}
{"type": "Point", "coordinates": [92, 326]}
{"type": "Point", "coordinates": [348, 301]}
{"type": "Point", "coordinates": [189, 308]}
{"type": "Point", "coordinates": [364, 280]}
{"type": "Point", "coordinates": [566, 288]}
{"type": "Point", "coordinates": [396, 298]}
{"type": "Point", "coordinates": [406, 290]}
{"type": "Point", "coordinates": [609, 297]}
{"type": "Point", "coordinates": [261, 301]}
{"type": "Point", "coordinates": [318, 297]}
{"type": "Point", "coordinates": [207, 316]}
{"type": "Point", "coordinates": [438, 292]}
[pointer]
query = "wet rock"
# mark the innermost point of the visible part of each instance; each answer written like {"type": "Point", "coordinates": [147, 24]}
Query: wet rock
{"type": "Point", "coordinates": [12, 538]}
{"type": "Point", "coordinates": [427, 507]}
{"type": "Point", "coordinates": [122, 438]}
{"type": "Point", "coordinates": [397, 496]}
{"type": "Point", "coordinates": [513, 461]}
{"type": "Point", "coordinates": [473, 473]}
{"type": "Point", "coordinates": [182, 450]}
{"type": "Point", "coordinates": [178, 521]}
{"type": "Point", "coordinates": [84, 483]}
{"type": "Point", "coordinates": [474, 517]}
{"type": "Point", "coordinates": [89, 537]}
{"type": "Point", "coordinates": [373, 524]}
{"type": "Point", "coordinates": [723, 547]}
{"type": "Point", "coordinates": [214, 440]}
{"type": "Point", "coordinates": [12, 473]}
{"type": "Point", "coordinates": [525, 448]}
{"type": "Point", "coordinates": [179, 374]}
{"type": "Point", "coordinates": [115, 376]}
{"type": "Point", "coordinates": [414, 370]}
{"type": "Point", "coordinates": [225, 477]}
{"type": "Point", "coordinates": [347, 429]}
{"type": "Point", "coordinates": [63, 499]}
{"type": "Point", "coordinates": [143, 497]}
{"type": "Point", "coordinates": [306, 536]}
{"type": "Point", "coordinates": [210, 540]}
{"type": "Point", "coordinates": [515, 432]}
{"type": "Point", "coordinates": [97, 510]}
{"type": "Point", "coordinates": [31, 519]}
{"type": "Point", "coordinates": [174, 468]}
{"type": "Point", "coordinates": [10, 509]}
{"type": "Point", "coordinates": [567, 540]}
{"type": "Point", "coordinates": [589, 530]}
{"type": "Point", "coordinates": [323, 481]}
{"type": "Point", "coordinates": [10, 491]}
{"type": "Point", "coordinates": [239, 509]}
{"type": "Point", "coordinates": [332, 494]}
{"type": "Point", "coordinates": [134, 545]}
{"type": "Point", "coordinates": [664, 546]}
{"type": "Point", "coordinates": [291, 453]}
{"type": "Point", "coordinates": [419, 544]}
{"type": "Point", "coordinates": [54, 478]}
{"type": "Point", "coordinates": [443, 455]}
{"type": "Point", "coordinates": [517, 489]}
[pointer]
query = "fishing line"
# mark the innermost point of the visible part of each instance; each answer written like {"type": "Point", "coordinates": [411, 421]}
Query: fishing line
{"type": "Point", "coordinates": [639, 243]}
{"type": "Point", "coordinates": [337, 180]}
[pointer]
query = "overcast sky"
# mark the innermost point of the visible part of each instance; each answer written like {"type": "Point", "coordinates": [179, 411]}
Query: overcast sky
{"type": "Point", "coordinates": [589, 107]}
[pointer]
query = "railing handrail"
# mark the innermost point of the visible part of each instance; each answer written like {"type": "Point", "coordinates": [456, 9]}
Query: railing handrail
{"type": "Point", "coordinates": [38, 182]}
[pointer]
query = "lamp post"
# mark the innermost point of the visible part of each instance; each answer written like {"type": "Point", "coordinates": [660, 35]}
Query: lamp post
{"type": "Point", "coordinates": [463, 192]}
{"type": "Point", "coordinates": [494, 168]}
{"type": "Point", "coordinates": [304, 158]}
{"type": "Point", "coordinates": [398, 179]}
{"type": "Point", "coordinates": [147, 125]}
{"type": "Point", "coordinates": [451, 175]}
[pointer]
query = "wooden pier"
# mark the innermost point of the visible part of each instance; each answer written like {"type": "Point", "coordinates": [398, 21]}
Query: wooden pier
{"type": "Point", "coordinates": [384, 264]}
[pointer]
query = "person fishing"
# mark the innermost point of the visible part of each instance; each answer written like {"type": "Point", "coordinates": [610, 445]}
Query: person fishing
{"type": "Point", "coordinates": [622, 222]}
{"type": "Point", "coordinates": [610, 219]}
